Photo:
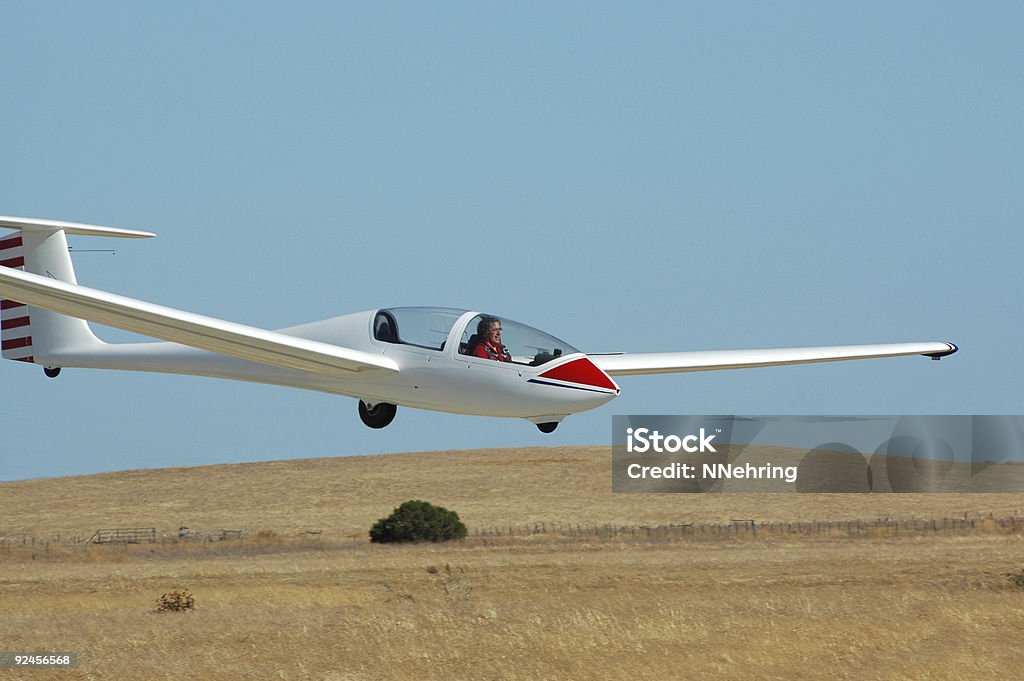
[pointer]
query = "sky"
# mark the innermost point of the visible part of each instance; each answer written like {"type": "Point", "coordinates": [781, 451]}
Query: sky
{"type": "Point", "coordinates": [653, 177]}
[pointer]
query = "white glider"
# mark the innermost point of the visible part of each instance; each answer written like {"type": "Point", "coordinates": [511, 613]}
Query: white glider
{"type": "Point", "coordinates": [441, 359]}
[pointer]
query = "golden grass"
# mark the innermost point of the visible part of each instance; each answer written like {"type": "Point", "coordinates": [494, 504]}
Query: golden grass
{"type": "Point", "coordinates": [343, 496]}
{"type": "Point", "coordinates": [935, 608]}
{"type": "Point", "coordinates": [928, 607]}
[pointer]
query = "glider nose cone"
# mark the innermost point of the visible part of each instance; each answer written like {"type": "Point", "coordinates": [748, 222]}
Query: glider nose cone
{"type": "Point", "coordinates": [584, 374]}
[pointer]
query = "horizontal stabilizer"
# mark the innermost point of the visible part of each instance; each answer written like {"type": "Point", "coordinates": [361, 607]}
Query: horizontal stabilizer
{"type": "Point", "coordinates": [35, 225]}
{"type": "Point", "coordinates": [198, 331]}
{"type": "Point", "coordinates": [625, 364]}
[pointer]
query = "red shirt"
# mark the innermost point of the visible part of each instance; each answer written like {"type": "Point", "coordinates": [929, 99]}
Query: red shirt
{"type": "Point", "coordinates": [487, 351]}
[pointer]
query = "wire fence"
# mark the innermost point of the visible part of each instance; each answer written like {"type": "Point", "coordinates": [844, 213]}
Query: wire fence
{"type": "Point", "coordinates": [733, 529]}
{"type": "Point", "coordinates": [752, 528]}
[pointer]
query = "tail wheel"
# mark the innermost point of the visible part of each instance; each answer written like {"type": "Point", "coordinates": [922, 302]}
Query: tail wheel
{"type": "Point", "coordinates": [377, 416]}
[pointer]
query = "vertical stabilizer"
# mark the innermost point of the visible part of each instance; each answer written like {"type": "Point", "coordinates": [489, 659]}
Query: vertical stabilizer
{"type": "Point", "coordinates": [31, 334]}
{"type": "Point", "coordinates": [15, 320]}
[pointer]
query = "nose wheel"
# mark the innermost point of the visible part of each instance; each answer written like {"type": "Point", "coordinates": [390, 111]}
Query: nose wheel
{"type": "Point", "coordinates": [378, 415]}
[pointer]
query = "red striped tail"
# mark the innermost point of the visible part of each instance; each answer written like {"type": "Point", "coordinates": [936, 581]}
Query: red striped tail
{"type": "Point", "coordinates": [15, 318]}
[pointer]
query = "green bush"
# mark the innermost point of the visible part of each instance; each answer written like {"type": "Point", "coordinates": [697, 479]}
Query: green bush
{"type": "Point", "coordinates": [416, 521]}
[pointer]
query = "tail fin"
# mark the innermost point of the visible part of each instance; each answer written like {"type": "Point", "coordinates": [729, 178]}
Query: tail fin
{"type": "Point", "coordinates": [31, 334]}
{"type": "Point", "coordinates": [15, 322]}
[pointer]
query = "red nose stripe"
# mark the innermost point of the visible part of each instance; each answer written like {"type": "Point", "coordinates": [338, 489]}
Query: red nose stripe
{"type": "Point", "coordinates": [581, 371]}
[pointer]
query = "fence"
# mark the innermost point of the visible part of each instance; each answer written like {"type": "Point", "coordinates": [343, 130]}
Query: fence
{"type": "Point", "coordinates": [882, 527]}
{"type": "Point", "coordinates": [125, 535]}
{"type": "Point", "coordinates": [742, 528]}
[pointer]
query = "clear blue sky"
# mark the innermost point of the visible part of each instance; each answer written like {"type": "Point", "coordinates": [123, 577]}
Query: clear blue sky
{"type": "Point", "coordinates": [662, 176]}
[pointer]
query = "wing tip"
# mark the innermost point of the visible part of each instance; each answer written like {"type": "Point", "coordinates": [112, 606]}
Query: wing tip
{"type": "Point", "coordinates": [952, 349]}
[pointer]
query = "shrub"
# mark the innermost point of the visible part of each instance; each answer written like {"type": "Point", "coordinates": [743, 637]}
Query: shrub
{"type": "Point", "coordinates": [1016, 579]}
{"type": "Point", "coordinates": [175, 601]}
{"type": "Point", "coordinates": [416, 521]}
{"type": "Point", "coordinates": [268, 537]}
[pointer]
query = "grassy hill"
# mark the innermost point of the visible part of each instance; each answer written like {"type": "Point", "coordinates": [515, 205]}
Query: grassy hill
{"type": "Point", "coordinates": [920, 605]}
{"type": "Point", "coordinates": [343, 496]}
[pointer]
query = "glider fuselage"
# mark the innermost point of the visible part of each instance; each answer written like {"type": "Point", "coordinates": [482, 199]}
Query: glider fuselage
{"type": "Point", "coordinates": [440, 379]}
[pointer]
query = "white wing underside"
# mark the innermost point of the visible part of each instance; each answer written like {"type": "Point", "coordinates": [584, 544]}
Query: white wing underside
{"type": "Point", "coordinates": [626, 364]}
{"type": "Point", "coordinates": [198, 331]}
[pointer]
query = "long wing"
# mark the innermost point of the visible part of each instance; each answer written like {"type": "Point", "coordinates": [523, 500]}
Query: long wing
{"type": "Point", "coordinates": [198, 331]}
{"type": "Point", "coordinates": [625, 364]}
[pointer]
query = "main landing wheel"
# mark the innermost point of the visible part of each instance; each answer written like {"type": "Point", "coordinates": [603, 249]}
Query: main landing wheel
{"type": "Point", "coordinates": [377, 416]}
{"type": "Point", "coordinates": [547, 427]}
{"type": "Point", "coordinates": [51, 372]}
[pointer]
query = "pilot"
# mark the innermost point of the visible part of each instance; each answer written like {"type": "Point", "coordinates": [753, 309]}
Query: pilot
{"type": "Point", "coordinates": [489, 345]}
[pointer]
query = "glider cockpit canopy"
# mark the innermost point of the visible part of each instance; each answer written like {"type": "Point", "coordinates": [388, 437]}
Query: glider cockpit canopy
{"type": "Point", "coordinates": [430, 328]}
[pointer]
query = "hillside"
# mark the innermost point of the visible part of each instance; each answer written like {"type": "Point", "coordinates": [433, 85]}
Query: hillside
{"type": "Point", "coordinates": [342, 496]}
{"type": "Point", "coordinates": [632, 605]}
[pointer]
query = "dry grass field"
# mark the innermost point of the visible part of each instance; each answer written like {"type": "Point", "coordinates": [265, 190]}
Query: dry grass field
{"type": "Point", "coordinates": [281, 604]}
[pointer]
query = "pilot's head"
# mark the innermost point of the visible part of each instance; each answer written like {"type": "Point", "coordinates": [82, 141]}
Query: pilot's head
{"type": "Point", "coordinates": [489, 329]}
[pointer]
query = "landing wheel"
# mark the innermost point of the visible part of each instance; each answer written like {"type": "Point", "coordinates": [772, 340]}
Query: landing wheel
{"type": "Point", "coordinates": [51, 372]}
{"type": "Point", "coordinates": [547, 427]}
{"type": "Point", "coordinates": [377, 416]}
